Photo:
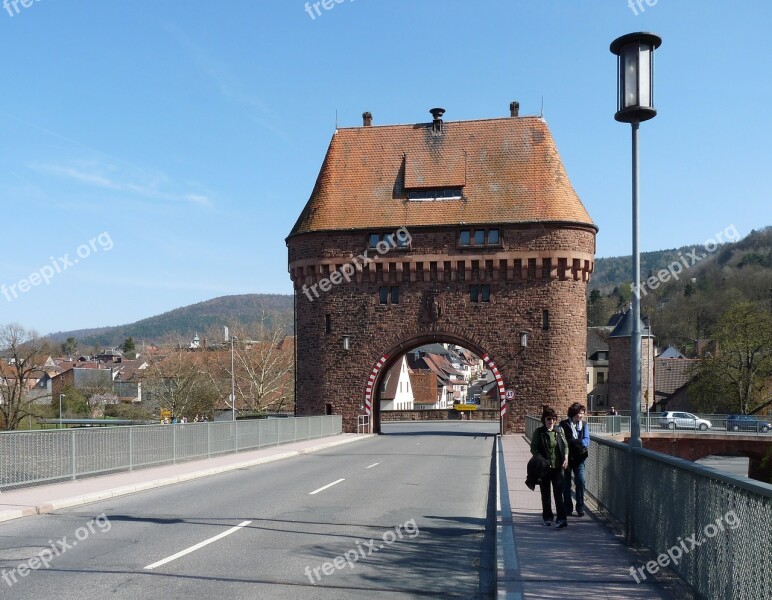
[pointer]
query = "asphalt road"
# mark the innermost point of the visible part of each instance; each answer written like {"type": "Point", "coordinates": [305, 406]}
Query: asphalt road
{"type": "Point", "coordinates": [403, 515]}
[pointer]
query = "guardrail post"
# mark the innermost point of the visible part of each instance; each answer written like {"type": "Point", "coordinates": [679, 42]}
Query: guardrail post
{"type": "Point", "coordinates": [131, 449]}
{"type": "Point", "coordinates": [208, 440]}
{"type": "Point", "coordinates": [174, 444]}
{"type": "Point", "coordinates": [72, 453]}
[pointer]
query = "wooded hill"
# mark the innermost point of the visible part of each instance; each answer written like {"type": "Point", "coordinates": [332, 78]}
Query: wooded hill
{"type": "Point", "coordinates": [689, 289]}
{"type": "Point", "coordinates": [184, 323]}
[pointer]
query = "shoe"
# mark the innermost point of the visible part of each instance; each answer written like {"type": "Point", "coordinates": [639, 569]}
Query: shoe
{"type": "Point", "coordinates": [580, 513]}
{"type": "Point", "coordinates": [548, 523]}
{"type": "Point", "coordinates": [561, 524]}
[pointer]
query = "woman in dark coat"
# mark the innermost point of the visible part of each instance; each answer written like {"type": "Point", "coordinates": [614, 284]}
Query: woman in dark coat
{"type": "Point", "coordinates": [550, 442]}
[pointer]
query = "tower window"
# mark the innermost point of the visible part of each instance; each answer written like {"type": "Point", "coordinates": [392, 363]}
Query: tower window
{"type": "Point", "coordinates": [480, 293]}
{"type": "Point", "coordinates": [479, 238]}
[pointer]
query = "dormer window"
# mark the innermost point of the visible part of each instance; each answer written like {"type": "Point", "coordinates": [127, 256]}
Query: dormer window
{"type": "Point", "coordinates": [450, 193]}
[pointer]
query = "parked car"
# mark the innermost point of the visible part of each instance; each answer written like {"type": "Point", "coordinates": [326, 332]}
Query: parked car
{"type": "Point", "coordinates": [674, 419]}
{"type": "Point", "coordinates": [747, 423]}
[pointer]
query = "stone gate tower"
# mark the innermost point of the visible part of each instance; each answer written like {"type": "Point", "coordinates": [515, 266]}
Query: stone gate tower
{"type": "Point", "coordinates": [466, 232]}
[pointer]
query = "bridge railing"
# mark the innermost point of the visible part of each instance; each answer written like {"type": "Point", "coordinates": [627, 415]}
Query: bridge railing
{"type": "Point", "coordinates": [35, 457]}
{"type": "Point", "coordinates": [713, 530]}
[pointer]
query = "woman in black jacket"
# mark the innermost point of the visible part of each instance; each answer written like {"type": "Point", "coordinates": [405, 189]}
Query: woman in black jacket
{"type": "Point", "coordinates": [550, 442]}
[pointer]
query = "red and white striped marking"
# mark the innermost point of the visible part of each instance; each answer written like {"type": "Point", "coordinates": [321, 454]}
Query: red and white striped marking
{"type": "Point", "coordinates": [371, 383]}
{"type": "Point", "coordinates": [499, 381]}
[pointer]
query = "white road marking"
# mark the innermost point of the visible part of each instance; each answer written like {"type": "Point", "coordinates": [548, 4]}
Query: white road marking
{"type": "Point", "coordinates": [325, 487]}
{"type": "Point", "coordinates": [373, 465]}
{"type": "Point", "coordinates": [197, 546]}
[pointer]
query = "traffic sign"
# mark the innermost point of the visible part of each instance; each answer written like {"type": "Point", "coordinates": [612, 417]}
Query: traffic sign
{"type": "Point", "coordinates": [509, 394]}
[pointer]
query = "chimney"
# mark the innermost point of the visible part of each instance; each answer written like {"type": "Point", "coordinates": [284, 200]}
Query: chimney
{"type": "Point", "coordinates": [514, 108]}
{"type": "Point", "coordinates": [367, 119]}
{"type": "Point", "coordinates": [437, 116]}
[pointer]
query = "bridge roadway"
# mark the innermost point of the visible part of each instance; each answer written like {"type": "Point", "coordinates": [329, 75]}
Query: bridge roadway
{"type": "Point", "coordinates": [292, 518]}
{"type": "Point", "coordinates": [423, 491]}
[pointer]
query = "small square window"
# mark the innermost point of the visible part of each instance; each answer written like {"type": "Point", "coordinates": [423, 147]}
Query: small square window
{"type": "Point", "coordinates": [464, 238]}
{"type": "Point", "coordinates": [485, 292]}
{"type": "Point", "coordinates": [493, 236]}
{"type": "Point", "coordinates": [395, 295]}
{"type": "Point", "coordinates": [383, 292]}
{"type": "Point", "coordinates": [474, 293]}
{"type": "Point", "coordinates": [374, 239]}
{"type": "Point", "coordinates": [479, 237]}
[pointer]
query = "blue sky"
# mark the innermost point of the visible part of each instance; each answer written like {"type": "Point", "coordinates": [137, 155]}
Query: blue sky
{"type": "Point", "coordinates": [169, 146]}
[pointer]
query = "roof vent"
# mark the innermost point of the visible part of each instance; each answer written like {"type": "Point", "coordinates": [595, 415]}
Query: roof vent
{"type": "Point", "coordinates": [514, 108]}
{"type": "Point", "coordinates": [367, 119]}
{"type": "Point", "coordinates": [437, 122]}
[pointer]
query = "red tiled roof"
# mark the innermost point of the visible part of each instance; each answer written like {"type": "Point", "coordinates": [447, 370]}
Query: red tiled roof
{"type": "Point", "coordinates": [510, 171]}
{"type": "Point", "coordinates": [671, 374]}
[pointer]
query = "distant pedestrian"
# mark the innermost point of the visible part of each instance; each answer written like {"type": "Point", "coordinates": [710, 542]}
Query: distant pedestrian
{"type": "Point", "coordinates": [612, 412]}
{"type": "Point", "coordinates": [550, 442]}
{"type": "Point", "coordinates": [577, 433]}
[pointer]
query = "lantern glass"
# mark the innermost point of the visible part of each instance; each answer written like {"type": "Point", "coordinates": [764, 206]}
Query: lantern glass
{"type": "Point", "coordinates": [635, 85]}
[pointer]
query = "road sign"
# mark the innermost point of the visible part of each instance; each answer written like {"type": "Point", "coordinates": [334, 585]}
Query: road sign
{"type": "Point", "coordinates": [465, 406]}
{"type": "Point", "coordinates": [509, 394]}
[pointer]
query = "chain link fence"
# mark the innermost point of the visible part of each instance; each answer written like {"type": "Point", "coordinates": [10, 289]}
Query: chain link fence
{"type": "Point", "coordinates": [35, 457]}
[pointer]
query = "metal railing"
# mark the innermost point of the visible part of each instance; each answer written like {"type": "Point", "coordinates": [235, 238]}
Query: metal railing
{"type": "Point", "coordinates": [363, 424]}
{"type": "Point", "coordinates": [35, 457]}
{"type": "Point", "coordinates": [719, 527]}
{"type": "Point", "coordinates": [654, 422]}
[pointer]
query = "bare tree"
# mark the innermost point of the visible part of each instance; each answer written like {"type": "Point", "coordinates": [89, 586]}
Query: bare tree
{"type": "Point", "coordinates": [263, 366]}
{"type": "Point", "coordinates": [179, 383]}
{"type": "Point", "coordinates": [21, 353]}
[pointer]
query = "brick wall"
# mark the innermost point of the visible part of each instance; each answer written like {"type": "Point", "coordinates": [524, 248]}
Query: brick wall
{"type": "Point", "coordinates": [534, 269]}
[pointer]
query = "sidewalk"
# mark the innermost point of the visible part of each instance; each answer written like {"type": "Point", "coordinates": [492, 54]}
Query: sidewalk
{"type": "Point", "coordinates": [40, 499]}
{"type": "Point", "coordinates": [584, 560]}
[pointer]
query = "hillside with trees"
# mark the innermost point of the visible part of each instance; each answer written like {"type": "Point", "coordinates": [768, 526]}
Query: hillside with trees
{"type": "Point", "coordinates": [183, 323]}
{"type": "Point", "coordinates": [684, 303]}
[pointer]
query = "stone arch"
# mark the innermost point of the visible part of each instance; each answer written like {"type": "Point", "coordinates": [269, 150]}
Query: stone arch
{"type": "Point", "coordinates": [396, 349]}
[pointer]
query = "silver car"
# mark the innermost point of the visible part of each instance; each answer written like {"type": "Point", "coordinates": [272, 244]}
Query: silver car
{"type": "Point", "coordinates": [674, 419]}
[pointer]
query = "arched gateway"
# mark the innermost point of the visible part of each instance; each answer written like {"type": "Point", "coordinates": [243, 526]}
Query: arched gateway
{"type": "Point", "coordinates": [465, 232]}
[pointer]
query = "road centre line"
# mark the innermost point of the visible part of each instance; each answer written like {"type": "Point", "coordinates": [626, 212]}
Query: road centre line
{"type": "Point", "coordinates": [325, 487]}
{"type": "Point", "coordinates": [373, 465]}
{"type": "Point", "coordinates": [197, 546]}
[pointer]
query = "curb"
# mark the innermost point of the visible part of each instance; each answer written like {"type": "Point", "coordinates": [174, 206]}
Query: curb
{"type": "Point", "coordinates": [508, 584]}
{"type": "Point", "coordinates": [48, 507]}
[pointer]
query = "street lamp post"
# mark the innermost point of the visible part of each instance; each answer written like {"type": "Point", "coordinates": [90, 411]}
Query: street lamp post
{"type": "Point", "coordinates": [60, 409]}
{"type": "Point", "coordinates": [635, 103]}
{"type": "Point", "coordinates": [233, 383]}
